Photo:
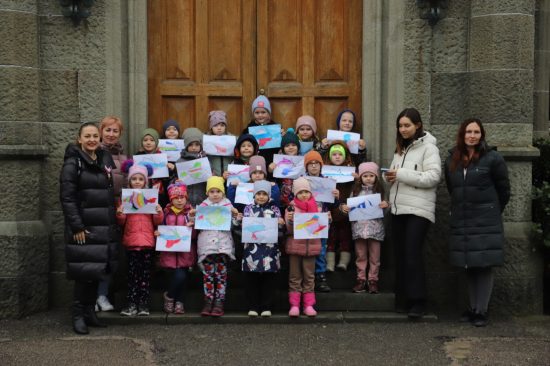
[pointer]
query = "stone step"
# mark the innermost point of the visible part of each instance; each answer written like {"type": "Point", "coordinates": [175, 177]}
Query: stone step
{"type": "Point", "coordinates": [112, 318]}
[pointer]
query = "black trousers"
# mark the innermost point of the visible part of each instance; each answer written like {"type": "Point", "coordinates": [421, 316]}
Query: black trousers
{"type": "Point", "coordinates": [85, 292]}
{"type": "Point", "coordinates": [259, 288]}
{"type": "Point", "coordinates": [408, 234]}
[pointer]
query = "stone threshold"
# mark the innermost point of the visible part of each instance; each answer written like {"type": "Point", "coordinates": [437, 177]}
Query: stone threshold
{"type": "Point", "coordinates": [114, 318]}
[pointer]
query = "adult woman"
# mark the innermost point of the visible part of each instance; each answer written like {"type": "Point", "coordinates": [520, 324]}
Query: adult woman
{"type": "Point", "coordinates": [110, 130]}
{"type": "Point", "coordinates": [477, 180]}
{"type": "Point", "coordinates": [91, 233]}
{"type": "Point", "coordinates": [414, 174]}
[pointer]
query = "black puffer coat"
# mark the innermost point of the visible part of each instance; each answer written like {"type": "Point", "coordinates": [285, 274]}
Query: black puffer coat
{"type": "Point", "coordinates": [477, 201]}
{"type": "Point", "coordinates": [87, 198]}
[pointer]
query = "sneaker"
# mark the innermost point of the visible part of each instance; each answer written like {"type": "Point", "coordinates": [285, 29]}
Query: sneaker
{"type": "Point", "coordinates": [103, 304]}
{"type": "Point", "coordinates": [178, 308]}
{"type": "Point", "coordinates": [480, 320]}
{"type": "Point", "coordinates": [143, 310]}
{"type": "Point", "coordinates": [130, 310]}
{"type": "Point", "coordinates": [373, 287]}
{"type": "Point", "coordinates": [417, 311]}
{"type": "Point", "coordinates": [360, 286]}
{"type": "Point", "coordinates": [266, 314]}
{"type": "Point", "coordinates": [252, 313]}
{"type": "Point", "coordinates": [321, 284]}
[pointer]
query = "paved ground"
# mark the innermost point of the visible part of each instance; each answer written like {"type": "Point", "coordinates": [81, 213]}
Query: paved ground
{"type": "Point", "coordinates": [47, 339]}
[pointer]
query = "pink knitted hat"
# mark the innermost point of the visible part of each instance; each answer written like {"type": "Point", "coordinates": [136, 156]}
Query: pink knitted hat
{"type": "Point", "coordinates": [368, 167]}
{"type": "Point", "coordinates": [300, 184]}
{"type": "Point", "coordinates": [216, 117]}
{"type": "Point", "coordinates": [306, 120]}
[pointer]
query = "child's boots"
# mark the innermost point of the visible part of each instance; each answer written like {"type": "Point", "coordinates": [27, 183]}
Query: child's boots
{"type": "Point", "coordinates": [294, 301]}
{"type": "Point", "coordinates": [345, 257]}
{"type": "Point", "coordinates": [331, 261]}
{"type": "Point", "coordinates": [309, 301]}
{"type": "Point", "coordinates": [168, 304]}
{"type": "Point", "coordinates": [217, 308]}
{"type": "Point", "coordinates": [207, 307]}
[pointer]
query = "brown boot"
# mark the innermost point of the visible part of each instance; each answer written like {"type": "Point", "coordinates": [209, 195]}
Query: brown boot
{"type": "Point", "coordinates": [359, 286]}
{"type": "Point", "coordinates": [373, 287]}
{"type": "Point", "coordinates": [207, 308]}
{"type": "Point", "coordinates": [217, 309]}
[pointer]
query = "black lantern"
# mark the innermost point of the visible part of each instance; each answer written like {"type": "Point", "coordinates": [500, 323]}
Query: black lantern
{"type": "Point", "coordinates": [432, 10]}
{"type": "Point", "coordinates": [76, 9]}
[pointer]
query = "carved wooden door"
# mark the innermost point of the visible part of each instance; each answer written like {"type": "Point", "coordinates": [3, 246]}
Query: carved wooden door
{"type": "Point", "coordinates": [207, 54]}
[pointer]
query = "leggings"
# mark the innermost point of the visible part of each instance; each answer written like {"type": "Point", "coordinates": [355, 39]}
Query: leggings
{"type": "Point", "coordinates": [139, 276]}
{"type": "Point", "coordinates": [480, 286]}
{"type": "Point", "coordinates": [259, 288]}
{"type": "Point", "coordinates": [214, 276]}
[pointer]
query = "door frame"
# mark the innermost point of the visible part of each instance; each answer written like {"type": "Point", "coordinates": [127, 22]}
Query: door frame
{"type": "Point", "coordinates": [382, 73]}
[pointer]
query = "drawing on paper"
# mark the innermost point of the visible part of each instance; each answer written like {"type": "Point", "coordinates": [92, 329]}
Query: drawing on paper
{"type": "Point", "coordinates": [159, 162]}
{"type": "Point", "coordinates": [322, 188]}
{"type": "Point", "coordinates": [139, 201]}
{"type": "Point", "coordinates": [174, 238]}
{"type": "Point", "coordinates": [310, 225]}
{"type": "Point", "coordinates": [172, 148]}
{"type": "Point", "coordinates": [350, 138]}
{"type": "Point", "coordinates": [340, 174]}
{"type": "Point", "coordinates": [238, 172]}
{"type": "Point", "coordinates": [260, 230]}
{"type": "Point", "coordinates": [245, 193]}
{"type": "Point", "coordinates": [213, 218]}
{"type": "Point", "coordinates": [194, 171]}
{"type": "Point", "coordinates": [288, 166]}
{"type": "Point", "coordinates": [268, 136]}
{"type": "Point", "coordinates": [218, 145]}
{"type": "Point", "coordinates": [365, 207]}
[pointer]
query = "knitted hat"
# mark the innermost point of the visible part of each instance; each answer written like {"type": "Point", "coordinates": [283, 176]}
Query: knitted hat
{"type": "Point", "coordinates": [170, 123]}
{"type": "Point", "coordinates": [215, 182]}
{"type": "Point", "coordinates": [192, 134]}
{"type": "Point", "coordinates": [216, 117]}
{"type": "Point", "coordinates": [290, 138]}
{"type": "Point", "coordinates": [145, 170]}
{"type": "Point", "coordinates": [151, 132]}
{"type": "Point", "coordinates": [177, 189]}
{"type": "Point", "coordinates": [306, 121]}
{"type": "Point", "coordinates": [300, 184]}
{"type": "Point", "coordinates": [340, 117]}
{"type": "Point", "coordinates": [368, 167]}
{"type": "Point", "coordinates": [257, 162]}
{"type": "Point", "coordinates": [262, 186]}
{"type": "Point", "coordinates": [337, 148]}
{"type": "Point", "coordinates": [243, 138]}
{"type": "Point", "coordinates": [261, 102]}
{"type": "Point", "coordinates": [312, 155]}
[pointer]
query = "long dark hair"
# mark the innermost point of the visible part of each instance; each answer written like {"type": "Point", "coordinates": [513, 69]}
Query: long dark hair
{"type": "Point", "coordinates": [377, 188]}
{"type": "Point", "coordinates": [414, 116]}
{"type": "Point", "coordinates": [460, 152]}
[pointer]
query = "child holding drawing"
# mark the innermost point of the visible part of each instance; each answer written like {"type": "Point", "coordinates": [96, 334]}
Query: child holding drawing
{"type": "Point", "coordinates": [218, 126]}
{"type": "Point", "coordinates": [261, 261]}
{"type": "Point", "coordinates": [149, 145]}
{"type": "Point", "coordinates": [139, 240]}
{"type": "Point", "coordinates": [306, 129]}
{"type": "Point", "coordinates": [345, 122]}
{"type": "Point", "coordinates": [368, 233]}
{"type": "Point", "coordinates": [192, 138]}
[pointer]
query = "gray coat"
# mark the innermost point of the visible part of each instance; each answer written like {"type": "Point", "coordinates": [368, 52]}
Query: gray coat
{"type": "Point", "coordinates": [477, 201]}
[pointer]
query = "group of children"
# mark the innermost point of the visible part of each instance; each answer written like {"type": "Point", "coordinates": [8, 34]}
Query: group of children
{"type": "Point", "coordinates": [281, 198]}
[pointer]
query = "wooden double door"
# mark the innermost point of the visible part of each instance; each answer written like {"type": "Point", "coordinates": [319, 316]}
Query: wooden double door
{"type": "Point", "coordinates": [304, 55]}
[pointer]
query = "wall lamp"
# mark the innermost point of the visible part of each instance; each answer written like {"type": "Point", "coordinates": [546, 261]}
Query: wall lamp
{"type": "Point", "coordinates": [432, 10]}
{"type": "Point", "coordinates": [76, 9]}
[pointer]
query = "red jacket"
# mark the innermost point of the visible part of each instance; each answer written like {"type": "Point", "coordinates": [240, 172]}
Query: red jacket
{"type": "Point", "coordinates": [302, 247]}
{"type": "Point", "coordinates": [178, 259]}
{"type": "Point", "coordinates": [139, 229]}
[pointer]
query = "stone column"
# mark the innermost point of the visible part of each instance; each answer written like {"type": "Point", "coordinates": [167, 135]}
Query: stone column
{"type": "Point", "coordinates": [24, 259]}
{"type": "Point", "coordinates": [501, 84]}
{"type": "Point", "coordinates": [542, 69]}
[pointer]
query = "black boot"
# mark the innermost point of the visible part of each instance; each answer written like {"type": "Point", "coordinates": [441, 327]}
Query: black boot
{"type": "Point", "coordinates": [321, 284]}
{"type": "Point", "coordinates": [79, 325]}
{"type": "Point", "coordinates": [91, 319]}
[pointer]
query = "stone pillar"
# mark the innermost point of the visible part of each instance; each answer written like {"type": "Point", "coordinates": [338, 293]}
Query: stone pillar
{"type": "Point", "coordinates": [501, 84]}
{"type": "Point", "coordinates": [24, 262]}
{"type": "Point", "coordinates": [542, 69]}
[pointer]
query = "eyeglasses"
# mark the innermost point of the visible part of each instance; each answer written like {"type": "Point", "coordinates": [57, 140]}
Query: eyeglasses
{"type": "Point", "coordinates": [314, 163]}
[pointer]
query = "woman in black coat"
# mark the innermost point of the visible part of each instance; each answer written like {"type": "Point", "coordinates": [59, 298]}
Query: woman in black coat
{"type": "Point", "coordinates": [477, 180]}
{"type": "Point", "coordinates": [91, 233]}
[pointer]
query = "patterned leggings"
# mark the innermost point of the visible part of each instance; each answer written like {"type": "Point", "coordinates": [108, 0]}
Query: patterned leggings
{"type": "Point", "coordinates": [139, 276]}
{"type": "Point", "coordinates": [214, 276]}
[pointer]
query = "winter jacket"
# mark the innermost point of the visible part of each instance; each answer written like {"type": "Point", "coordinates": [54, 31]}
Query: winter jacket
{"type": "Point", "coordinates": [345, 191]}
{"type": "Point", "coordinates": [418, 173]}
{"type": "Point", "coordinates": [478, 197]}
{"type": "Point", "coordinates": [219, 163]}
{"type": "Point", "coordinates": [266, 153]}
{"type": "Point", "coordinates": [262, 257]}
{"type": "Point", "coordinates": [232, 192]}
{"type": "Point", "coordinates": [196, 192]}
{"type": "Point", "coordinates": [215, 241]}
{"type": "Point", "coordinates": [301, 247]}
{"type": "Point", "coordinates": [368, 229]}
{"type": "Point", "coordinates": [87, 199]}
{"type": "Point", "coordinates": [119, 178]}
{"type": "Point", "coordinates": [139, 229]}
{"type": "Point", "coordinates": [177, 259]}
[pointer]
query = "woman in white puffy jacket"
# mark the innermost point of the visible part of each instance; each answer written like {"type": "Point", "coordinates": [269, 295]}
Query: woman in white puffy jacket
{"type": "Point", "coordinates": [413, 175]}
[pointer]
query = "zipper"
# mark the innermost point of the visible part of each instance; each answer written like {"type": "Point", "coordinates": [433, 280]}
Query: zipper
{"type": "Point", "coordinates": [397, 187]}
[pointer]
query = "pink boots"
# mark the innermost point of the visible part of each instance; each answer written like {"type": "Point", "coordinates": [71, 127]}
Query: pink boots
{"type": "Point", "coordinates": [309, 301]}
{"type": "Point", "coordinates": [294, 301]}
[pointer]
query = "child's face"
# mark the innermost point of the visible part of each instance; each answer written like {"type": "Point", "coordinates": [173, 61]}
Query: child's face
{"type": "Point", "coordinates": [246, 149]}
{"type": "Point", "coordinates": [291, 149]}
{"type": "Point", "coordinates": [215, 195]}
{"type": "Point", "coordinates": [194, 147]}
{"type": "Point", "coordinates": [171, 133]}
{"type": "Point", "coordinates": [179, 202]}
{"type": "Point", "coordinates": [149, 144]}
{"type": "Point", "coordinates": [261, 115]}
{"type": "Point", "coordinates": [257, 175]}
{"type": "Point", "coordinates": [137, 181]}
{"type": "Point", "coordinates": [219, 129]}
{"type": "Point", "coordinates": [336, 158]}
{"type": "Point", "coordinates": [368, 179]}
{"type": "Point", "coordinates": [304, 195]}
{"type": "Point", "coordinates": [261, 198]}
{"type": "Point", "coordinates": [314, 168]}
{"type": "Point", "coordinates": [346, 122]}
{"type": "Point", "coordinates": [89, 139]}
{"type": "Point", "coordinates": [305, 132]}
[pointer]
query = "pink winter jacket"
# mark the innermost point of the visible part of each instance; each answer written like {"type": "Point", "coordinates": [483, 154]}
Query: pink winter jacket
{"type": "Point", "coordinates": [139, 229]}
{"type": "Point", "coordinates": [302, 247]}
{"type": "Point", "coordinates": [177, 259]}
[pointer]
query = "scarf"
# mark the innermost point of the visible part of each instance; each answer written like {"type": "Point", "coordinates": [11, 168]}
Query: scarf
{"type": "Point", "coordinates": [114, 149]}
{"type": "Point", "coordinates": [306, 206]}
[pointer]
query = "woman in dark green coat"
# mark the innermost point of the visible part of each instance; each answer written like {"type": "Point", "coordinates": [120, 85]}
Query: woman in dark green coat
{"type": "Point", "coordinates": [477, 180]}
